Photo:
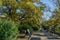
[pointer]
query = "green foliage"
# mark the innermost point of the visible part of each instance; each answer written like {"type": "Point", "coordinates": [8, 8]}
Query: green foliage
{"type": "Point", "coordinates": [28, 8]}
{"type": "Point", "coordinates": [0, 2]}
{"type": "Point", "coordinates": [8, 30]}
{"type": "Point", "coordinates": [57, 29]}
{"type": "Point", "coordinates": [30, 13]}
{"type": "Point", "coordinates": [35, 28]}
{"type": "Point", "coordinates": [25, 27]}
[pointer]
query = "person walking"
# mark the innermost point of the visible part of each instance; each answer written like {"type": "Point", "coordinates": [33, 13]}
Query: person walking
{"type": "Point", "coordinates": [28, 33]}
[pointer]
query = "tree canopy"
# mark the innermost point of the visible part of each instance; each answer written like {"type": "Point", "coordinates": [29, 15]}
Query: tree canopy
{"type": "Point", "coordinates": [29, 13]}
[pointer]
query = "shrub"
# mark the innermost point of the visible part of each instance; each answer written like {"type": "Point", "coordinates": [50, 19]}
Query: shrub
{"type": "Point", "coordinates": [8, 30]}
{"type": "Point", "coordinates": [35, 28]}
{"type": "Point", "coordinates": [57, 29]}
{"type": "Point", "coordinates": [24, 27]}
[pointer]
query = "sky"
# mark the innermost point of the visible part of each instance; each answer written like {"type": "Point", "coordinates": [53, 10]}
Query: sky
{"type": "Point", "coordinates": [50, 5]}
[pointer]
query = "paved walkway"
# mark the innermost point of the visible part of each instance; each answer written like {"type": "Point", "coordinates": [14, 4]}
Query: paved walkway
{"type": "Point", "coordinates": [39, 35]}
{"type": "Point", "coordinates": [45, 36]}
{"type": "Point", "coordinates": [22, 38]}
{"type": "Point", "coordinates": [42, 36]}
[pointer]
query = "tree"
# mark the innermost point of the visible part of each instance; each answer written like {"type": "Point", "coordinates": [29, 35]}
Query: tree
{"type": "Point", "coordinates": [30, 14]}
{"type": "Point", "coordinates": [11, 9]}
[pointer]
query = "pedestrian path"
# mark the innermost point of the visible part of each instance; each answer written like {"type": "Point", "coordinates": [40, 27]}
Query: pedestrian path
{"type": "Point", "coordinates": [42, 36]}
{"type": "Point", "coordinates": [38, 35]}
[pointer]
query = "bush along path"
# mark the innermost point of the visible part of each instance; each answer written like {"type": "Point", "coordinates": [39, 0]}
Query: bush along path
{"type": "Point", "coordinates": [8, 30]}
